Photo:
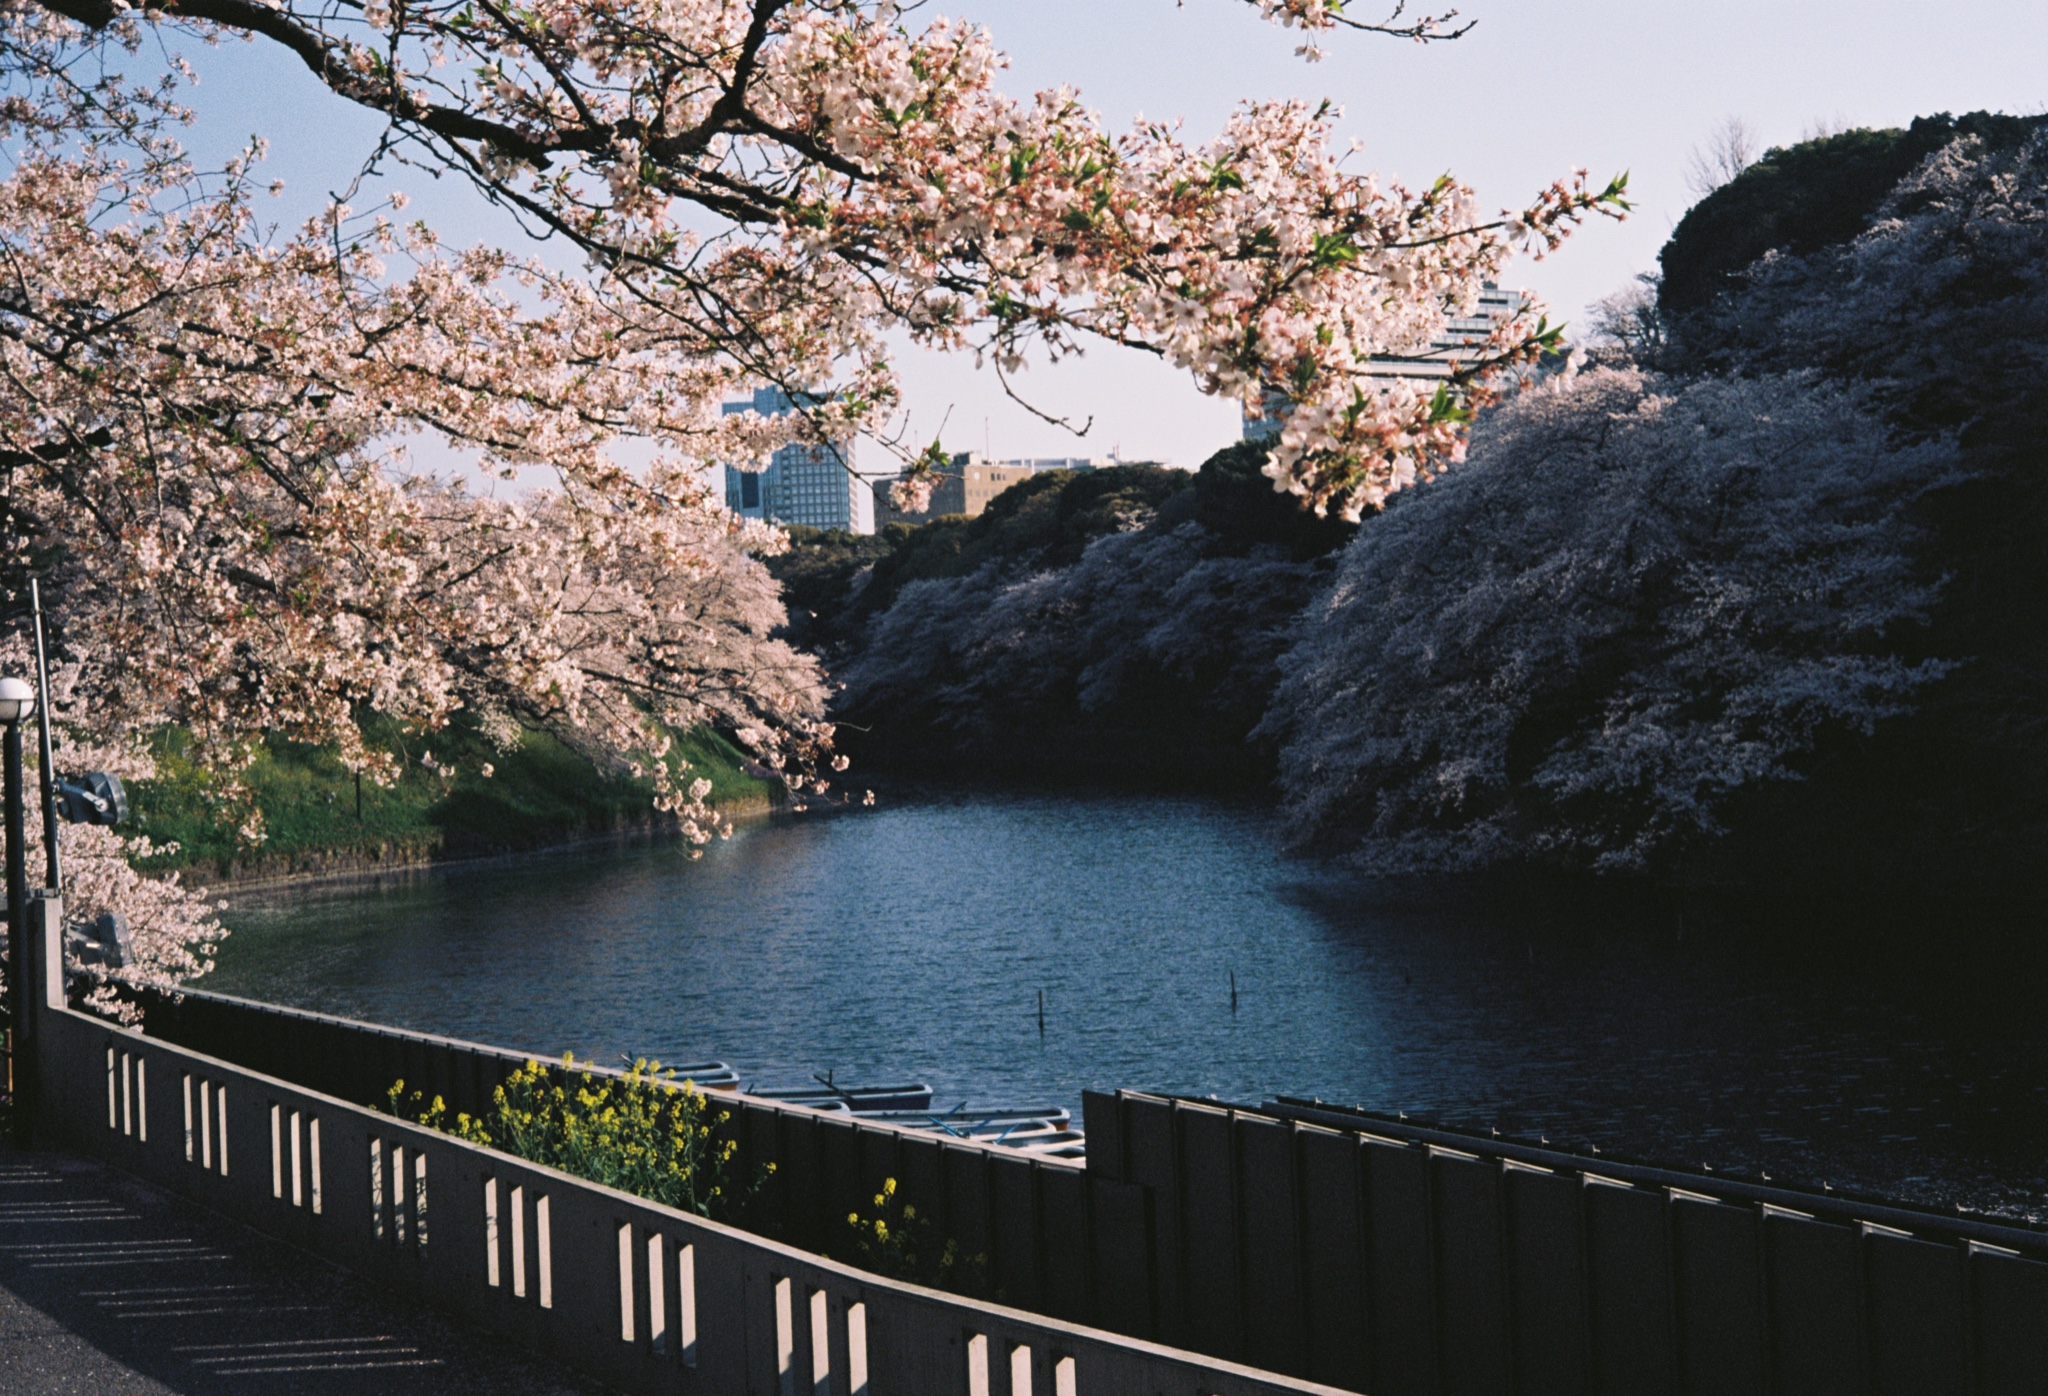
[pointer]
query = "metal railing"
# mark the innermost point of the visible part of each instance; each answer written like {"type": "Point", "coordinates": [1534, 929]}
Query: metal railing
{"type": "Point", "coordinates": [637, 1295]}
{"type": "Point", "coordinates": [1387, 1256]}
{"type": "Point", "coordinates": [1285, 1243]}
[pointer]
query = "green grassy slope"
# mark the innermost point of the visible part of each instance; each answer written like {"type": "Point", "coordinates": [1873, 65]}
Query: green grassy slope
{"type": "Point", "coordinates": [539, 793]}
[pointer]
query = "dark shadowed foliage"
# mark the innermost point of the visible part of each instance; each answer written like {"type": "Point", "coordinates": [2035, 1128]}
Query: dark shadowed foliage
{"type": "Point", "coordinates": [1046, 521]}
{"type": "Point", "coordinates": [1106, 624]}
{"type": "Point", "coordinates": [821, 571]}
{"type": "Point", "coordinates": [840, 581]}
{"type": "Point", "coordinates": [1866, 709]}
{"type": "Point", "coordinates": [1817, 194]}
{"type": "Point", "coordinates": [1952, 798]}
{"type": "Point", "coordinates": [1236, 502]}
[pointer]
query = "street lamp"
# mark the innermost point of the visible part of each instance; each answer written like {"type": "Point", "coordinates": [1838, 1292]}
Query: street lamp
{"type": "Point", "coordinates": [17, 702]}
{"type": "Point", "coordinates": [93, 798]}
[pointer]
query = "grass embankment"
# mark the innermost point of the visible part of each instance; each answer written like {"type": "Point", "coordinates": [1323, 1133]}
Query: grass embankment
{"type": "Point", "coordinates": [537, 794]}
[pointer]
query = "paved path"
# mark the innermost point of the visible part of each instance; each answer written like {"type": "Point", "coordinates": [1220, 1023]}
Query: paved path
{"type": "Point", "coordinates": [109, 1287]}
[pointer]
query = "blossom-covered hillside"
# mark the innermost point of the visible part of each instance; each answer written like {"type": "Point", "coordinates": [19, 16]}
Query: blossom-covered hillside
{"type": "Point", "coordinates": [1639, 595]}
{"type": "Point", "coordinates": [1768, 606]}
{"type": "Point", "coordinates": [1761, 599]}
{"type": "Point", "coordinates": [1107, 624]}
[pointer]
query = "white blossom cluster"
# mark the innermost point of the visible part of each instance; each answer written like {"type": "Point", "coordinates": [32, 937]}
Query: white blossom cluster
{"type": "Point", "coordinates": [1637, 597]}
{"type": "Point", "coordinates": [202, 431]}
{"type": "Point", "coordinates": [864, 176]}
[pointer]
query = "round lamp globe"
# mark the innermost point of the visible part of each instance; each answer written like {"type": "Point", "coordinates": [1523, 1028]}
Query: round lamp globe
{"type": "Point", "coordinates": [17, 700]}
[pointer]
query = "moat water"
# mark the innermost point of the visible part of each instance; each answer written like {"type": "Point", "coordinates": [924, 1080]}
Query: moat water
{"type": "Point", "coordinates": [912, 941]}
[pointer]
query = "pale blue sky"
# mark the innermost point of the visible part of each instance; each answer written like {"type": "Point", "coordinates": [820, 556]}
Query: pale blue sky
{"type": "Point", "coordinates": [1531, 92]}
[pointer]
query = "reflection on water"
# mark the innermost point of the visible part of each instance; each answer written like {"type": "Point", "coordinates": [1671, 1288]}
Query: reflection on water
{"type": "Point", "coordinates": [912, 941]}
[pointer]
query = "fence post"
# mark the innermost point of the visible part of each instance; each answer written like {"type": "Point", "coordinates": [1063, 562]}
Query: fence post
{"type": "Point", "coordinates": [41, 989]}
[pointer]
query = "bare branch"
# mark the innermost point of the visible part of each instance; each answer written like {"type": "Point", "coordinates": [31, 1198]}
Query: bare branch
{"type": "Point", "coordinates": [1727, 151]}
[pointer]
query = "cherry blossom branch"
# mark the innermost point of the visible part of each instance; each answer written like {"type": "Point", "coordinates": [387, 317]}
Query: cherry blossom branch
{"type": "Point", "coordinates": [1324, 14]}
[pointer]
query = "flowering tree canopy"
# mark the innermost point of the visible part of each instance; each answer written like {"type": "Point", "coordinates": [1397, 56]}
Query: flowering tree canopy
{"type": "Point", "coordinates": [777, 184]}
{"type": "Point", "coordinates": [1654, 609]}
{"type": "Point", "coordinates": [200, 436]}
{"type": "Point", "coordinates": [1639, 597]}
{"type": "Point", "coordinates": [202, 421]}
{"type": "Point", "coordinates": [1139, 634]}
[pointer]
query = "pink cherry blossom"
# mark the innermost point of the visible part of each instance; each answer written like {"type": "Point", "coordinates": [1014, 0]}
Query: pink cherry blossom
{"type": "Point", "coordinates": [203, 422]}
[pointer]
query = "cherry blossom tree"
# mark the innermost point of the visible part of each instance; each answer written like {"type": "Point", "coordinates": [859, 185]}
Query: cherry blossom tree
{"type": "Point", "coordinates": [203, 420]}
{"type": "Point", "coordinates": [201, 433]}
{"type": "Point", "coordinates": [1639, 597]}
{"type": "Point", "coordinates": [781, 183]}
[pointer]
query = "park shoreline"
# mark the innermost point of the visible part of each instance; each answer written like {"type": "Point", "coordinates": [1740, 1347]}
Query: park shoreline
{"type": "Point", "coordinates": [345, 866]}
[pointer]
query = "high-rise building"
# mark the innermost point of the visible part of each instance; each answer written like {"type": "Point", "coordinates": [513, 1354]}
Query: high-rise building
{"type": "Point", "coordinates": [1460, 334]}
{"type": "Point", "coordinates": [805, 483]}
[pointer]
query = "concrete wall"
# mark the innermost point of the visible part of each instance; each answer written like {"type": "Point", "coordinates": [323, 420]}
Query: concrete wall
{"type": "Point", "coordinates": [639, 1296]}
{"type": "Point", "coordinates": [1236, 1250]}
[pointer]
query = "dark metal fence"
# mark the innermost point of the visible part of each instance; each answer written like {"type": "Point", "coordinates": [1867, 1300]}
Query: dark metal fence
{"type": "Point", "coordinates": [1371, 1254]}
{"type": "Point", "coordinates": [1406, 1261]}
{"type": "Point", "coordinates": [643, 1297]}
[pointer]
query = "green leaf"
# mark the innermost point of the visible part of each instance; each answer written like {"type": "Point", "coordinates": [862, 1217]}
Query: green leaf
{"type": "Point", "coordinates": [1447, 407]}
{"type": "Point", "coordinates": [1333, 249]}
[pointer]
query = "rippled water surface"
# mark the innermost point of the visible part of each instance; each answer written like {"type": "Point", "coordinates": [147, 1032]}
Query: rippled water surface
{"type": "Point", "coordinates": [911, 942]}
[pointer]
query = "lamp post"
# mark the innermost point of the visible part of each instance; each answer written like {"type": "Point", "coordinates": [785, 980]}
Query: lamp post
{"type": "Point", "coordinates": [53, 883]}
{"type": "Point", "coordinates": [17, 701]}
{"type": "Point", "coordinates": [93, 798]}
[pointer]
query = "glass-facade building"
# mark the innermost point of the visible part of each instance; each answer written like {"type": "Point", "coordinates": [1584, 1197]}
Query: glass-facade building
{"type": "Point", "coordinates": [805, 483]}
